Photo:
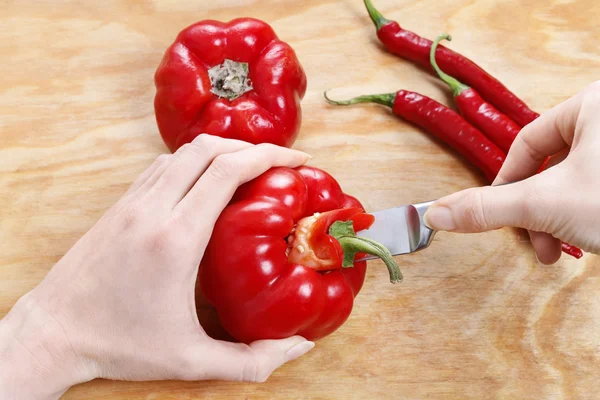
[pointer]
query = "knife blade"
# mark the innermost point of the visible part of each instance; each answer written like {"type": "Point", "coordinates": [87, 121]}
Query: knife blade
{"type": "Point", "coordinates": [401, 229]}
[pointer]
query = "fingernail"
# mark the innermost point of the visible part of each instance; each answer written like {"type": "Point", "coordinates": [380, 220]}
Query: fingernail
{"type": "Point", "coordinates": [308, 155]}
{"type": "Point", "coordinates": [439, 218]}
{"type": "Point", "coordinates": [298, 350]}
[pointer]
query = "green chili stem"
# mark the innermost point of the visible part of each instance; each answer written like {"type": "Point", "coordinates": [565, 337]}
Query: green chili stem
{"type": "Point", "coordinates": [358, 244]}
{"type": "Point", "coordinates": [378, 19]}
{"type": "Point", "coordinates": [386, 99]}
{"type": "Point", "coordinates": [456, 86]}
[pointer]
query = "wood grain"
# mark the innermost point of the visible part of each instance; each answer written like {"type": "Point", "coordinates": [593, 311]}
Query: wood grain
{"type": "Point", "coordinates": [476, 318]}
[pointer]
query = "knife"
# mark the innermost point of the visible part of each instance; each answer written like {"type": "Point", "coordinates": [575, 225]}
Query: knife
{"type": "Point", "coordinates": [401, 229]}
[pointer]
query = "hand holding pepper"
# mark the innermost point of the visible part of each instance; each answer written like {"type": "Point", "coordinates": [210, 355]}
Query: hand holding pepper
{"type": "Point", "coordinates": [543, 204]}
{"type": "Point", "coordinates": [120, 303]}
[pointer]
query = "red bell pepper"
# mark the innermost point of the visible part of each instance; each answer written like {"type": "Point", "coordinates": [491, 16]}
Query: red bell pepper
{"type": "Point", "coordinates": [281, 259]}
{"type": "Point", "coordinates": [236, 80]}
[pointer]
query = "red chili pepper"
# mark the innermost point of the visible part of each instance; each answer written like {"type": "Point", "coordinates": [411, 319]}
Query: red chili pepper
{"type": "Point", "coordinates": [235, 80]}
{"type": "Point", "coordinates": [495, 125]}
{"type": "Point", "coordinates": [442, 122]}
{"type": "Point", "coordinates": [275, 267]}
{"type": "Point", "coordinates": [498, 127]}
{"type": "Point", "coordinates": [571, 250]}
{"type": "Point", "coordinates": [413, 47]}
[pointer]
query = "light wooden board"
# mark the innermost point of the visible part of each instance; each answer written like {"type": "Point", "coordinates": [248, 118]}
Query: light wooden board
{"type": "Point", "coordinates": [476, 318]}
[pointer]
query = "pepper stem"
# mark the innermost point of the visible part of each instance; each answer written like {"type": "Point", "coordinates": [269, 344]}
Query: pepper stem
{"type": "Point", "coordinates": [386, 99]}
{"type": "Point", "coordinates": [378, 19]}
{"type": "Point", "coordinates": [230, 80]}
{"type": "Point", "coordinates": [351, 244]}
{"type": "Point", "coordinates": [356, 244]}
{"type": "Point", "coordinates": [456, 86]}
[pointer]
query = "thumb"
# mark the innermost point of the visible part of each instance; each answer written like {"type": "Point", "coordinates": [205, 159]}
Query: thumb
{"type": "Point", "coordinates": [487, 208]}
{"type": "Point", "coordinates": [251, 363]}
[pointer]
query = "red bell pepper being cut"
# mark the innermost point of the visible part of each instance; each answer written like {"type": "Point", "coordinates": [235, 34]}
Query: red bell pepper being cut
{"type": "Point", "coordinates": [236, 80]}
{"type": "Point", "coordinates": [281, 259]}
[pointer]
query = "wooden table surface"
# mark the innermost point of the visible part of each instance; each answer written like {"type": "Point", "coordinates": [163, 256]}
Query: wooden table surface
{"type": "Point", "coordinates": [476, 318]}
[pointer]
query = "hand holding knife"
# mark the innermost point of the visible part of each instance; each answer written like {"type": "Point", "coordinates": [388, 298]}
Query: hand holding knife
{"type": "Point", "coordinates": [402, 230]}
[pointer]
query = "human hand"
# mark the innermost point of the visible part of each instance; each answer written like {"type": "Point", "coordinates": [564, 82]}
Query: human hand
{"type": "Point", "coordinates": [120, 304]}
{"type": "Point", "coordinates": [559, 204]}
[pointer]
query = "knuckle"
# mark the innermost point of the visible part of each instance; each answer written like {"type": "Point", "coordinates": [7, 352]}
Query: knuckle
{"type": "Point", "coordinates": [131, 216]}
{"type": "Point", "coordinates": [533, 195]}
{"type": "Point", "coordinates": [269, 147]}
{"type": "Point", "coordinates": [253, 371]}
{"type": "Point", "coordinates": [531, 148]}
{"type": "Point", "coordinates": [162, 158]}
{"type": "Point", "coordinates": [184, 148]}
{"type": "Point", "coordinates": [203, 141]}
{"type": "Point", "coordinates": [187, 368]}
{"type": "Point", "coordinates": [475, 215]}
{"type": "Point", "coordinates": [200, 145]}
{"type": "Point", "coordinates": [534, 203]}
{"type": "Point", "coordinates": [159, 239]}
{"type": "Point", "coordinates": [224, 167]}
{"type": "Point", "coordinates": [193, 148]}
{"type": "Point", "coordinates": [187, 228]}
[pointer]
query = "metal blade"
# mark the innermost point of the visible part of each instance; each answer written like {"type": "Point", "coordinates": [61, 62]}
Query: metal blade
{"type": "Point", "coordinates": [400, 229]}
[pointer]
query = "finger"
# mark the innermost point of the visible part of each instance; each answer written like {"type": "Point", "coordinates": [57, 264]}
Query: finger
{"type": "Point", "coordinates": [487, 208]}
{"type": "Point", "coordinates": [191, 160]}
{"type": "Point", "coordinates": [143, 181]}
{"type": "Point", "coordinates": [551, 133]}
{"type": "Point", "coordinates": [144, 176]}
{"type": "Point", "coordinates": [226, 173]}
{"type": "Point", "coordinates": [547, 247]}
{"type": "Point", "coordinates": [166, 160]}
{"type": "Point", "coordinates": [254, 363]}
